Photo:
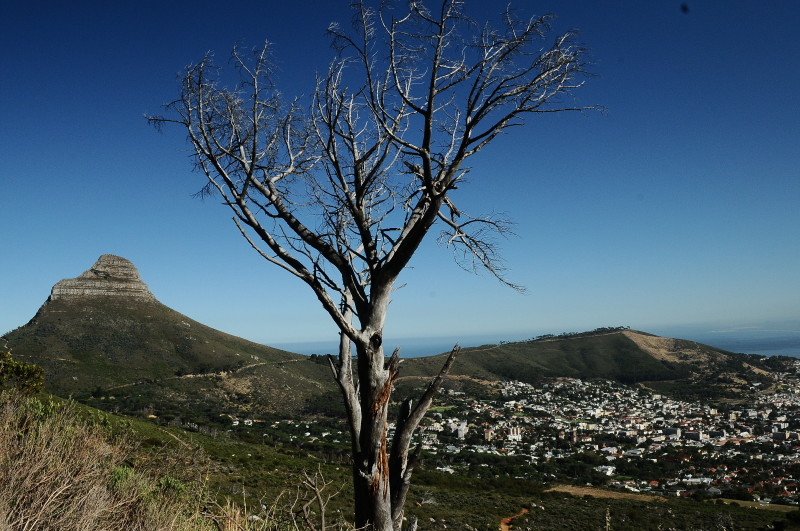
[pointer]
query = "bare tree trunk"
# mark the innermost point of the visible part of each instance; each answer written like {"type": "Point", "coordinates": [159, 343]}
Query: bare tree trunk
{"type": "Point", "coordinates": [401, 465]}
{"type": "Point", "coordinates": [371, 475]}
{"type": "Point", "coordinates": [382, 477]}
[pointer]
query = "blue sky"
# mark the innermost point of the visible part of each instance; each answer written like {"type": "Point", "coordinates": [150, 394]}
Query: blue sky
{"type": "Point", "coordinates": [677, 207]}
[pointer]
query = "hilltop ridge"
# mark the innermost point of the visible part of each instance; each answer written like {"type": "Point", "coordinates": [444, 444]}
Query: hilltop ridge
{"type": "Point", "coordinates": [674, 366]}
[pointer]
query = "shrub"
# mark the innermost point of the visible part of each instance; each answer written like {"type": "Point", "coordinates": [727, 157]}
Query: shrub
{"type": "Point", "coordinates": [24, 377]}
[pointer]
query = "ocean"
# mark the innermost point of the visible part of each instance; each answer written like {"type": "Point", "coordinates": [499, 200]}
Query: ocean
{"type": "Point", "coordinates": [767, 344]}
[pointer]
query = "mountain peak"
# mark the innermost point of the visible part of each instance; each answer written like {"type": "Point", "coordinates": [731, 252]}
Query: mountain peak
{"type": "Point", "coordinates": [110, 276]}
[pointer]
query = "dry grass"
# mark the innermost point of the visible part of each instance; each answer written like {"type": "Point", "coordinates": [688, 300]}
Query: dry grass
{"type": "Point", "coordinates": [603, 493]}
{"type": "Point", "coordinates": [61, 470]}
{"type": "Point", "coordinates": [756, 505]}
{"type": "Point", "coordinates": [666, 349]}
{"type": "Point", "coordinates": [58, 471]}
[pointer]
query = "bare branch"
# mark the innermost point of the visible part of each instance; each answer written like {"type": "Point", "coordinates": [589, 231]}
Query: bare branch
{"type": "Point", "coordinates": [473, 244]}
{"type": "Point", "coordinates": [401, 466]}
{"type": "Point", "coordinates": [341, 192]}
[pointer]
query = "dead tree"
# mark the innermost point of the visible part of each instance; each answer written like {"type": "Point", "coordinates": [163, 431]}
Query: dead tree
{"type": "Point", "coordinates": [342, 193]}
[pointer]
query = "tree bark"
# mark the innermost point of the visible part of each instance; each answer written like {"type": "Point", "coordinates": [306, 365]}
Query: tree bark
{"type": "Point", "coordinates": [381, 477]}
{"type": "Point", "coordinates": [371, 460]}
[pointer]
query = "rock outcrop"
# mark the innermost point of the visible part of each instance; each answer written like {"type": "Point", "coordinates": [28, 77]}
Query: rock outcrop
{"type": "Point", "coordinates": [110, 276]}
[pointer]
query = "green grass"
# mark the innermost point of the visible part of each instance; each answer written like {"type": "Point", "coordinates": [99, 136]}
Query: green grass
{"type": "Point", "coordinates": [140, 353]}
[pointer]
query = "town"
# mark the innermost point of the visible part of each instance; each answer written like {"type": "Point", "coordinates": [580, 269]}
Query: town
{"type": "Point", "coordinates": [601, 433]}
{"type": "Point", "coordinates": [608, 434]}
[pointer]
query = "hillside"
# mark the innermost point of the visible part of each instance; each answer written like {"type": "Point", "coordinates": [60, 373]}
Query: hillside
{"type": "Point", "coordinates": [104, 334]}
{"type": "Point", "coordinates": [674, 366]}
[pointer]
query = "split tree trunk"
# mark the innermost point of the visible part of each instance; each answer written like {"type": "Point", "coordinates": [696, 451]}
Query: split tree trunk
{"type": "Point", "coordinates": [381, 471]}
{"type": "Point", "coordinates": [371, 470]}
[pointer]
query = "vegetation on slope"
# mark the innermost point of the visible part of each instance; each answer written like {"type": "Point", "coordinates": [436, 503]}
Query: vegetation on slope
{"type": "Point", "coordinates": [105, 341]}
{"type": "Point", "coordinates": [66, 466]}
{"type": "Point", "coordinates": [61, 471]}
{"type": "Point", "coordinates": [24, 377]}
{"type": "Point", "coordinates": [143, 358]}
{"type": "Point", "coordinates": [147, 356]}
{"type": "Point", "coordinates": [686, 368]}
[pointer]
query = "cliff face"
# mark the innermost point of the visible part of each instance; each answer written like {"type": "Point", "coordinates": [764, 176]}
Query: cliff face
{"type": "Point", "coordinates": [110, 276]}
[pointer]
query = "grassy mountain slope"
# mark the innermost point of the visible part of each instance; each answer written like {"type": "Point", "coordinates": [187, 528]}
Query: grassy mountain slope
{"type": "Point", "coordinates": [149, 354]}
{"type": "Point", "coordinates": [627, 356]}
{"type": "Point", "coordinates": [151, 359]}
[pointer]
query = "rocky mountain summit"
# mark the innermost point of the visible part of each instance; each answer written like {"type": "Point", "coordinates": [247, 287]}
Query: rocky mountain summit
{"type": "Point", "coordinates": [110, 276]}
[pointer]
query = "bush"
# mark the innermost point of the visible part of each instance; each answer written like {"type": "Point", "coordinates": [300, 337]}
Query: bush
{"type": "Point", "coordinates": [24, 377]}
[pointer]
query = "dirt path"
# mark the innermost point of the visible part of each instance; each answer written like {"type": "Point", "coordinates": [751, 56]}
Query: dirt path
{"type": "Point", "coordinates": [192, 375]}
{"type": "Point", "coordinates": [449, 377]}
{"type": "Point", "coordinates": [505, 523]}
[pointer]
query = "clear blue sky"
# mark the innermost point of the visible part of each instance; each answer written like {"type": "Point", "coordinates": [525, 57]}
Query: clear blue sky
{"type": "Point", "coordinates": [679, 206]}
